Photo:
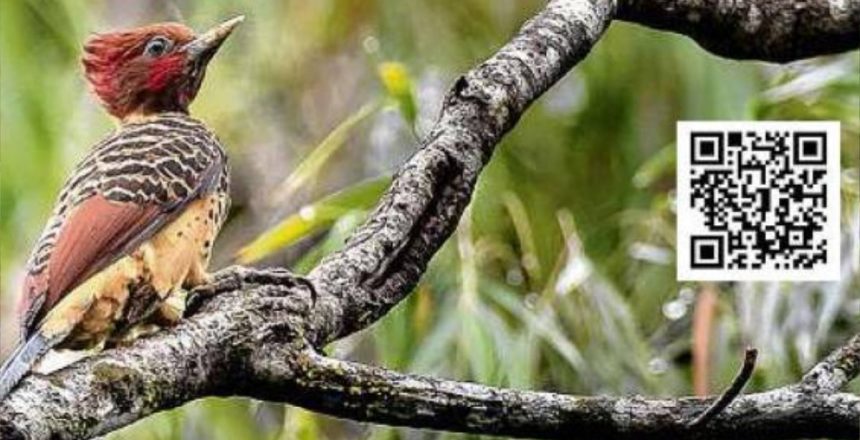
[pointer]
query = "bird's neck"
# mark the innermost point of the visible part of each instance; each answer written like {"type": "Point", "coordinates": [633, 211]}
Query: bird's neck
{"type": "Point", "coordinates": [142, 105]}
{"type": "Point", "coordinates": [141, 116]}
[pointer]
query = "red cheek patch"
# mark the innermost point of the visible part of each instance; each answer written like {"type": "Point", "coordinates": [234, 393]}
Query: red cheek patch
{"type": "Point", "coordinates": [163, 71]}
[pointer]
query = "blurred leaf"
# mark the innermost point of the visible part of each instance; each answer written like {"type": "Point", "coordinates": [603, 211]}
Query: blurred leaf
{"type": "Point", "coordinates": [476, 344]}
{"type": "Point", "coordinates": [314, 217]}
{"type": "Point", "coordinates": [399, 86]}
{"type": "Point", "coordinates": [521, 355]}
{"type": "Point", "coordinates": [394, 339]}
{"type": "Point", "coordinates": [423, 309]}
{"type": "Point", "coordinates": [525, 236]}
{"type": "Point", "coordinates": [223, 419]}
{"type": "Point", "coordinates": [434, 349]}
{"type": "Point", "coordinates": [334, 240]}
{"type": "Point", "coordinates": [300, 424]}
{"type": "Point", "coordinates": [313, 163]}
{"type": "Point", "coordinates": [658, 166]}
{"type": "Point", "coordinates": [544, 324]}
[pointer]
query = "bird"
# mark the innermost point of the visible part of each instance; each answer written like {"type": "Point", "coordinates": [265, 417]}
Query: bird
{"type": "Point", "coordinates": [132, 228]}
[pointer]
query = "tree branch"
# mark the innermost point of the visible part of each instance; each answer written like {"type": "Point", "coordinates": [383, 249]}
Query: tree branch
{"type": "Point", "coordinates": [768, 30]}
{"type": "Point", "coordinates": [252, 339]}
{"type": "Point", "coordinates": [836, 370]}
{"type": "Point", "coordinates": [384, 259]}
{"type": "Point", "coordinates": [357, 391]}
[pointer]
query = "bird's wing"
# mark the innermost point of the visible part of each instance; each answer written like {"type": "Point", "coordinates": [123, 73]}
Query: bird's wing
{"type": "Point", "coordinates": [131, 201]}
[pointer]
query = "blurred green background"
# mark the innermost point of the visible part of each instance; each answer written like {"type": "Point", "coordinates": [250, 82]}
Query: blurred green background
{"type": "Point", "coordinates": [561, 274]}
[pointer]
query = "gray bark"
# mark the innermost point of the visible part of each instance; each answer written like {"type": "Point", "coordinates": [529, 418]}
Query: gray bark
{"type": "Point", "coordinates": [372, 394]}
{"type": "Point", "coordinates": [769, 30]}
{"type": "Point", "coordinates": [258, 334]}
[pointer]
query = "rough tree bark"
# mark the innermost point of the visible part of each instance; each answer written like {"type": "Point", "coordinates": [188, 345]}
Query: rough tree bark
{"type": "Point", "coordinates": [775, 30]}
{"type": "Point", "coordinates": [260, 333]}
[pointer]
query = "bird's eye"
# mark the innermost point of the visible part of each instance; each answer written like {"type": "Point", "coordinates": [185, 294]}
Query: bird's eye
{"type": "Point", "coordinates": [157, 46]}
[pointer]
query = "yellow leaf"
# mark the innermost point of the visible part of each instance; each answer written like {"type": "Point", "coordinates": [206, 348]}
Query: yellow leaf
{"type": "Point", "coordinates": [398, 85]}
{"type": "Point", "coordinates": [313, 218]}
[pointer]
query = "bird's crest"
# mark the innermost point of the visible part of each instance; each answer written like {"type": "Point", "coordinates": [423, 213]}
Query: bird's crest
{"type": "Point", "coordinates": [132, 68]}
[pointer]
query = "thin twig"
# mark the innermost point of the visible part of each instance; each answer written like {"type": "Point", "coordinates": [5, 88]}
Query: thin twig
{"type": "Point", "coordinates": [732, 392]}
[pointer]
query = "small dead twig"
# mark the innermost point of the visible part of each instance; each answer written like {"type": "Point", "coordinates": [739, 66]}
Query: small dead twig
{"type": "Point", "coordinates": [732, 392]}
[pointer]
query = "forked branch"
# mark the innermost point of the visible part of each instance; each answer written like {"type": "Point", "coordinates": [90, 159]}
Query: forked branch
{"type": "Point", "coordinates": [257, 337]}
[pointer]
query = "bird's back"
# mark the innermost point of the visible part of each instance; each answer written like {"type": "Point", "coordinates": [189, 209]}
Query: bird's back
{"type": "Point", "coordinates": [141, 176]}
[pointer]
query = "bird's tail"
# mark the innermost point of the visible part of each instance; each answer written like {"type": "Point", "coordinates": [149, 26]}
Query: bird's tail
{"type": "Point", "coordinates": [20, 362]}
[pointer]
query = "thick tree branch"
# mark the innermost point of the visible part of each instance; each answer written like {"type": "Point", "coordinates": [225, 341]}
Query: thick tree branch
{"type": "Point", "coordinates": [384, 258]}
{"type": "Point", "coordinates": [769, 30]}
{"type": "Point", "coordinates": [253, 338]}
{"type": "Point", "coordinates": [373, 394]}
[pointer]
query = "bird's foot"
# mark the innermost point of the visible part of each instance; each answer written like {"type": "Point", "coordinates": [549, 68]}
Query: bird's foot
{"type": "Point", "coordinates": [134, 333]}
{"type": "Point", "coordinates": [244, 278]}
{"type": "Point", "coordinates": [171, 310]}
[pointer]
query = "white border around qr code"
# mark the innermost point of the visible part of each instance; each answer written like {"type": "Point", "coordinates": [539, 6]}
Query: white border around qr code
{"type": "Point", "coordinates": [691, 221]}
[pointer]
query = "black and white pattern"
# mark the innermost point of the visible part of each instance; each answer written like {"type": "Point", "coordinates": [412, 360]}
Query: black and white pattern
{"type": "Point", "coordinates": [758, 201]}
{"type": "Point", "coordinates": [162, 160]}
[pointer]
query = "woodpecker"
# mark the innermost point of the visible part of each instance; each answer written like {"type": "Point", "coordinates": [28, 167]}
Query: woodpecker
{"type": "Point", "coordinates": [134, 223]}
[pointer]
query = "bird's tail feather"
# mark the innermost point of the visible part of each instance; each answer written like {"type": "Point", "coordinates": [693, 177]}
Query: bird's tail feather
{"type": "Point", "coordinates": [20, 362]}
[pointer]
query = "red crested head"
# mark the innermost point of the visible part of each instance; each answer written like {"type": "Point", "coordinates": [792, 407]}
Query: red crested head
{"type": "Point", "coordinates": [150, 69]}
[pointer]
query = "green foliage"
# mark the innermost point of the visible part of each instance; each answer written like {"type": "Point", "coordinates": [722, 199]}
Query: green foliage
{"type": "Point", "coordinates": [313, 164]}
{"type": "Point", "coordinates": [561, 275]}
{"type": "Point", "coordinates": [313, 218]}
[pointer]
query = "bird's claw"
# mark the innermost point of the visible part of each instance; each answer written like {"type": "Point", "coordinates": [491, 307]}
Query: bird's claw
{"type": "Point", "coordinates": [245, 278]}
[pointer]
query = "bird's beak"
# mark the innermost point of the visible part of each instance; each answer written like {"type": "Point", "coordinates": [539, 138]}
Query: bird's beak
{"type": "Point", "coordinates": [201, 49]}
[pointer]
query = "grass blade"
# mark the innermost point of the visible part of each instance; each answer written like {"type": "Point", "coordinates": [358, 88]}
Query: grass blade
{"type": "Point", "coordinates": [312, 164]}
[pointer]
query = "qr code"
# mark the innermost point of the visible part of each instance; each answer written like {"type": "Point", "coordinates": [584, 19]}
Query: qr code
{"type": "Point", "coordinates": [758, 201]}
